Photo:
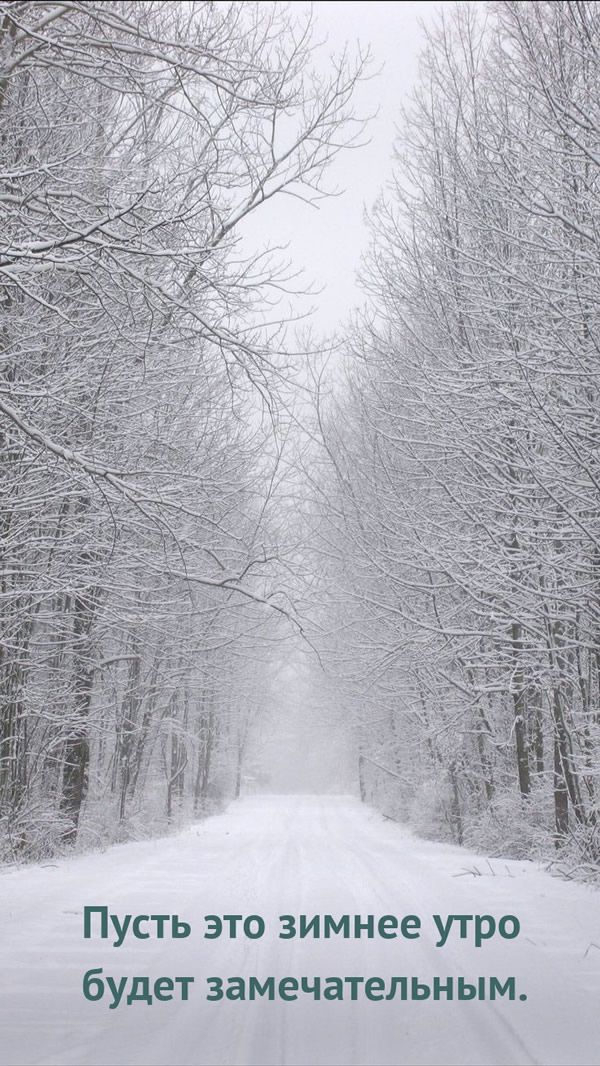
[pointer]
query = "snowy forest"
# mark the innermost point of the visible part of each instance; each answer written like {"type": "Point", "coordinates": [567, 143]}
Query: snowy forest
{"type": "Point", "coordinates": [197, 493]}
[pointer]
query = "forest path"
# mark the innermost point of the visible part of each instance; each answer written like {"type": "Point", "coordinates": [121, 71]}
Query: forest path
{"type": "Point", "coordinates": [274, 855]}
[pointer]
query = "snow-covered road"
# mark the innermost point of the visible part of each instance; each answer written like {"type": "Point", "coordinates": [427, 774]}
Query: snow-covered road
{"type": "Point", "coordinates": [293, 855]}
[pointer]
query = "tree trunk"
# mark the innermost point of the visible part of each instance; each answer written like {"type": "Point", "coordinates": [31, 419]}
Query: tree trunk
{"type": "Point", "coordinates": [520, 706]}
{"type": "Point", "coordinates": [77, 748]}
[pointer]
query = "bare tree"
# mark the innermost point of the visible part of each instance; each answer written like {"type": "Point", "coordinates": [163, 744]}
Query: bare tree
{"type": "Point", "coordinates": [140, 394]}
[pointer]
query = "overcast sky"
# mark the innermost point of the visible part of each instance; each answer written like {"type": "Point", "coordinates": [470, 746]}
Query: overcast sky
{"type": "Point", "coordinates": [327, 242]}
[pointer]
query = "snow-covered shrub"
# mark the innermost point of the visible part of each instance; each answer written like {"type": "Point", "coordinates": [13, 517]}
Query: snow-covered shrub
{"type": "Point", "coordinates": [513, 827]}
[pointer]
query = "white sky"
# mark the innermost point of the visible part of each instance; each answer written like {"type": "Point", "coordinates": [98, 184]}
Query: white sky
{"type": "Point", "coordinates": [327, 242]}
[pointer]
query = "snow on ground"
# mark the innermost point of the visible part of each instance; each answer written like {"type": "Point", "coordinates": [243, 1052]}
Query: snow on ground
{"type": "Point", "coordinates": [296, 854]}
